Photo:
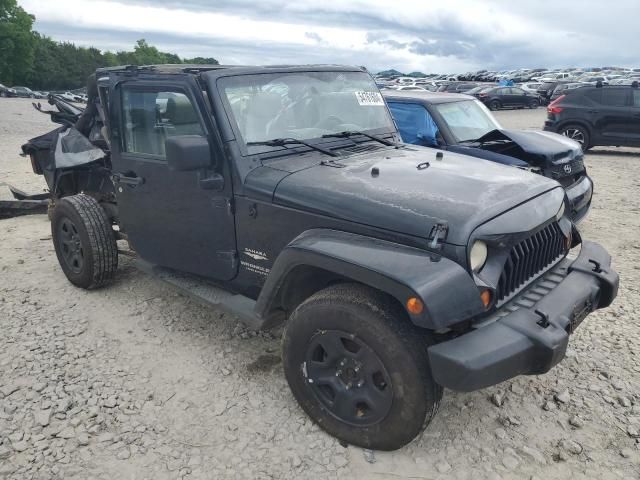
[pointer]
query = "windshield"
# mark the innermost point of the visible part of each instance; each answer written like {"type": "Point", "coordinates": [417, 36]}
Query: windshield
{"type": "Point", "coordinates": [468, 120]}
{"type": "Point", "coordinates": [304, 105]}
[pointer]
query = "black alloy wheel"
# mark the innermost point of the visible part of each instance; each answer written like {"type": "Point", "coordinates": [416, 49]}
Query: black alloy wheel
{"type": "Point", "coordinates": [495, 105]}
{"type": "Point", "coordinates": [70, 245]}
{"type": "Point", "coordinates": [579, 134]}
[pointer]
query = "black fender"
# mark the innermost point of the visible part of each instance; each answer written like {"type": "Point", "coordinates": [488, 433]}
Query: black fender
{"type": "Point", "coordinates": [446, 289]}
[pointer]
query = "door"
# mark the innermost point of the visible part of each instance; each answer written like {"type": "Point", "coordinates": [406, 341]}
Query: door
{"type": "Point", "coordinates": [504, 95]}
{"type": "Point", "coordinates": [173, 219]}
{"type": "Point", "coordinates": [518, 97]}
{"type": "Point", "coordinates": [611, 112]}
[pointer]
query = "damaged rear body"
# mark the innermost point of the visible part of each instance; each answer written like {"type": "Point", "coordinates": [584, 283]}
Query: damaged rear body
{"type": "Point", "coordinates": [75, 157]}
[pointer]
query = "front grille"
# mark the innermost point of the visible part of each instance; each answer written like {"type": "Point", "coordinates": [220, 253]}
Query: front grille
{"type": "Point", "coordinates": [529, 258]}
{"type": "Point", "coordinates": [559, 171]}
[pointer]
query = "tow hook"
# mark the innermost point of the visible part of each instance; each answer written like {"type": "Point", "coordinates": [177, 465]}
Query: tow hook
{"type": "Point", "coordinates": [544, 319]}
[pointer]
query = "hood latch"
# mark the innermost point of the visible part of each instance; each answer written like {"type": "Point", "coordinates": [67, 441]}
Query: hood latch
{"type": "Point", "coordinates": [438, 235]}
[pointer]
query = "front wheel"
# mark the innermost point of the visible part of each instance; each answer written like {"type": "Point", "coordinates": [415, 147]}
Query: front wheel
{"type": "Point", "coordinates": [84, 241]}
{"type": "Point", "coordinates": [358, 368]}
{"type": "Point", "coordinates": [534, 104]}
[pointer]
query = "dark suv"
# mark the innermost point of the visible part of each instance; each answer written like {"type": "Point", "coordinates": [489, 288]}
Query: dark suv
{"type": "Point", "coordinates": [283, 195]}
{"type": "Point", "coordinates": [601, 115]}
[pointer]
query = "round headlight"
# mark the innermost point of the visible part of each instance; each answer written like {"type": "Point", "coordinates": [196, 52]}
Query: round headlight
{"type": "Point", "coordinates": [478, 255]}
{"type": "Point", "coordinates": [560, 212]}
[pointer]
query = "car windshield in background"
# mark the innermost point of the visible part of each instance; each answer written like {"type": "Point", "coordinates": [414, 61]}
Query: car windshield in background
{"type": "Point", "coordinates": [468, 120]}
{"type": "Point", "coordinates": [304, 105]}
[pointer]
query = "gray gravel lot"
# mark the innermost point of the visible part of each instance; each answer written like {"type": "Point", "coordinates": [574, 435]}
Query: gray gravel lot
{"type": "Point", "coordinates": [136, 381]}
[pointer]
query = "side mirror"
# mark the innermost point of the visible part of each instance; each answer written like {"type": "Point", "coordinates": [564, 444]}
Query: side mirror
{"type": "Point", "coordinates": [188, 152]}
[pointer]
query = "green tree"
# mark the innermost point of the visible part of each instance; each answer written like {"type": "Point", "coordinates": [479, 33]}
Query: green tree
{"type": "Point", "coordinates": [201, 61]}
{"type": "Point", "coordinates": [17, 43]}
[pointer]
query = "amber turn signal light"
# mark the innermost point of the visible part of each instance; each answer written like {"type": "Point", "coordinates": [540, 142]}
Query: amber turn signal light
{"type": "Point", "coordinates": [415, 306]}
{"type": "Point", "coordinates": [485, 296]}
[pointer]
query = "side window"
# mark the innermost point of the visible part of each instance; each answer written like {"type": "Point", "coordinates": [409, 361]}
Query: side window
{"type": "Point", "coordinates": [614, 97]}
{"type": "Point", "coordinates": [150, 117]}
{"type": "Point", "coordinates": [517, 91]}
{"type": "Point", "coordinates": [415, 124]}
{"type": "Point", "coordinates": [636, 97]}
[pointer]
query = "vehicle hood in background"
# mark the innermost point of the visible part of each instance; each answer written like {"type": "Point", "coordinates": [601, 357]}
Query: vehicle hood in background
{"type": "Point", "coordinates": [539, 149]}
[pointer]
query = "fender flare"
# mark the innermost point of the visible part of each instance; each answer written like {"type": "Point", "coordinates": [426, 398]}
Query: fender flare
{"type": "Point", "coordinates": [446, 289]}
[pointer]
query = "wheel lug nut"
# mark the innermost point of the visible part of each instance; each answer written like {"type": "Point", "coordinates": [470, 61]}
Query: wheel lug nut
{"type": "Point", "coordinates": [360, 383]}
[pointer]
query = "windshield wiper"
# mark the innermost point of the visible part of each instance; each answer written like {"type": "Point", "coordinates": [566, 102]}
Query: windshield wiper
{"type": "Point", "coordinates": [353, 133]}
{"type": "Point", "coordinates": [281, 142]}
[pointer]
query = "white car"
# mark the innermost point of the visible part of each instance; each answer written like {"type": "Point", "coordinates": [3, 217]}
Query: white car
{"type": "Point", "coordinates": [68, 96]}
{"type": "Point", "coordinates": [531, 87]}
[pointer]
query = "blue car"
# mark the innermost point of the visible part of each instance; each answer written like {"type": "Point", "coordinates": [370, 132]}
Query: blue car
{"type": "Point", "coordinates": [462, 124]}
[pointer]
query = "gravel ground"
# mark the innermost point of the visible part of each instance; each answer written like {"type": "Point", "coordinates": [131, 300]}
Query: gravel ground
{"type": "Point", "coordinates": [135, 381]}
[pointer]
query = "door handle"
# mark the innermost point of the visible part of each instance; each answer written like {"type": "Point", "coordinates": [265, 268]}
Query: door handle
{"type": "Point", "coordinates": [127, 180]}
{"type": "Point", "coordinates": [593, 111]}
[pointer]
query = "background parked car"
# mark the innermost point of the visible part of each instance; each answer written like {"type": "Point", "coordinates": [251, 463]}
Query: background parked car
{"type": "Point", "coordinates": [7, 92]}
{"type": "Point", "coordinates": [546, 90]}
{"type": "Point", "coordinates": [606, 115]}
{"type": "Point", "coordinates": [507, 97]}
{"type": "Point", "coordinates": [457, 87]}
{"type": "Point", "coordinates": [530, 87]}
{"type": "Point", "coordinates": [461, 124]}
{"type": "Point", "coordinates": [24, 92]}
{"type": "Point", "coordinates": [562, 89]}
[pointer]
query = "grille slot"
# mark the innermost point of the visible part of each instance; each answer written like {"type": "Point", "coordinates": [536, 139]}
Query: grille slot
{"type": "Point", "coordinates": [361, 148]}
{"type": "Point", "coordinates": [529, 258]}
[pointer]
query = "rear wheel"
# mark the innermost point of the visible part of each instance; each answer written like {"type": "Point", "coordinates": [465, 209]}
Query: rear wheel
{"type": "Point", "coordinates": [579, 134]}
{"type": "Point", "coordinates": [358, 368]}
{"type": "Point", "coordinates": [84, 241]}
{"type": "Point", "coordinates": [495, 105]}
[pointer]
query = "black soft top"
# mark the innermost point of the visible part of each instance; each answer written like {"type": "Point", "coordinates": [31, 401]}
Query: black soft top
{"type": "Point", "coordinates": [224, 70]}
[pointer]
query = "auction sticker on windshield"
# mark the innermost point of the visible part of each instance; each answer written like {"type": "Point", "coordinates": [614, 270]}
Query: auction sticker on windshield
{"type": "Point", "coordinates": [369, 98]}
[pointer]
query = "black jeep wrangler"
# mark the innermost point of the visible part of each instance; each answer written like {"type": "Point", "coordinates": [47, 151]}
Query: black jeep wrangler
{"type": "Point", "coordinates": [282, 194]}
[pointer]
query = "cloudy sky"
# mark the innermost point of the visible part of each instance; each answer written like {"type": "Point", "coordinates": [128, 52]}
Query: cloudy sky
{"type": "Point", "coordinates": [442, 36]}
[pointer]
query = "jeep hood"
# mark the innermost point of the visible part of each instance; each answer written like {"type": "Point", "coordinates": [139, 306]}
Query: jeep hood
{"type": "Point", "coordinates": [412, 191]}
{"type": "Point", "coordinates": [539, 149]}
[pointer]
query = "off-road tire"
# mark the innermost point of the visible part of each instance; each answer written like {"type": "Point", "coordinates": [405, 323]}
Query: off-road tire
{"type": "Point", "coordinates": [583, 137]}
{"type": "Point", "coordinates": [373, 319]}
{"type": "Point", "coordinates": [495, 105]}
{"type": "Point", "coordinates": [82, 218]}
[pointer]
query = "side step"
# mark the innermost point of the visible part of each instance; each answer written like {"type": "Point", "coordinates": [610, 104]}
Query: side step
{"type": "Point", "coordinates": [207, 293]}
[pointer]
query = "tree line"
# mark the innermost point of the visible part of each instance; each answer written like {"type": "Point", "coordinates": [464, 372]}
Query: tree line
{"type": "Point", "coordinates": [30, 59]}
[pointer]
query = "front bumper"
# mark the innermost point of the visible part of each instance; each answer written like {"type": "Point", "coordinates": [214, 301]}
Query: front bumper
{"type": "Point", "coordinates": [529, 334]}
{"type": "Point", "coordinates": [579, 195]}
